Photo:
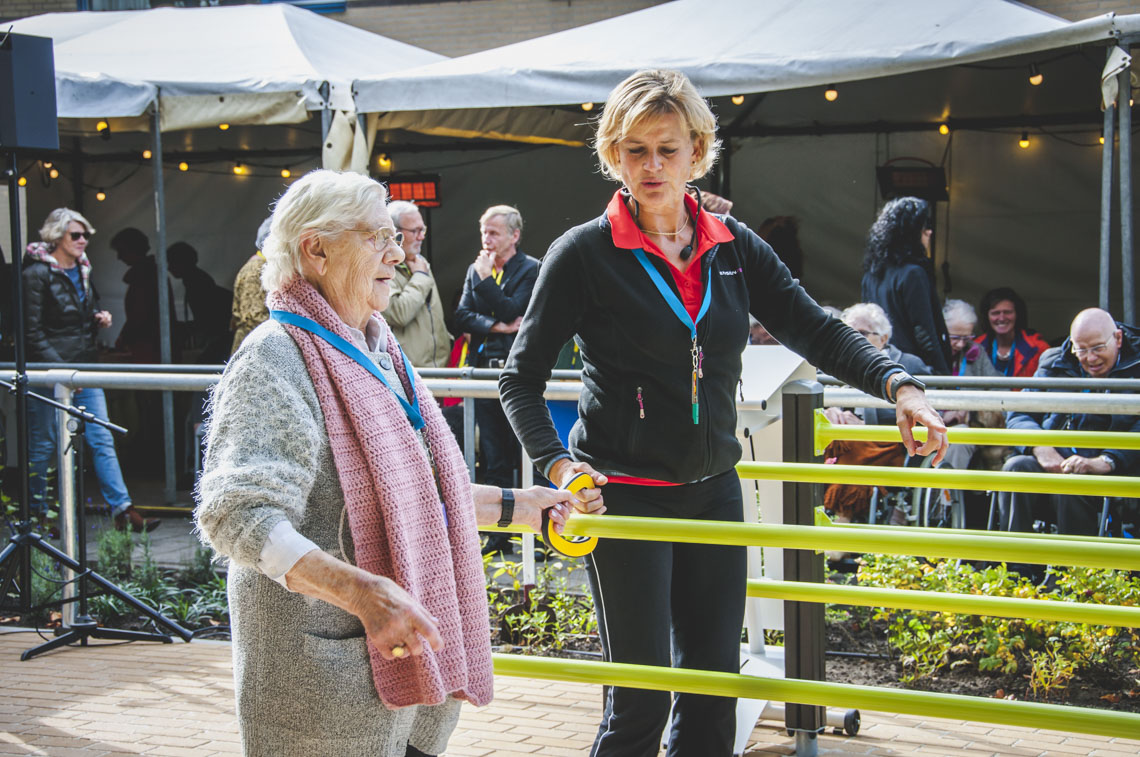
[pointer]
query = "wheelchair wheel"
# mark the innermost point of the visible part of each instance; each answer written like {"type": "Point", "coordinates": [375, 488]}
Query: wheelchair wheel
{"type": "Point", "coordinates": [939, 508]}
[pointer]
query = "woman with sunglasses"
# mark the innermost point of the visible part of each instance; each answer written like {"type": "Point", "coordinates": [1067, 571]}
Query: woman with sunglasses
{"type": "Point", "coordinates": [61, 317]}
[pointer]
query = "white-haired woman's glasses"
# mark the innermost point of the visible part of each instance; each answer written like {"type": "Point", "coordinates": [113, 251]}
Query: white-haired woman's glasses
{"type": "Point", "coordinates": [382, 237]}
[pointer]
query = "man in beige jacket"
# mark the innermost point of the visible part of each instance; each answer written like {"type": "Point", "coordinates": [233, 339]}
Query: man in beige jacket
{"type": "Point", "coordinates": [415, 312]}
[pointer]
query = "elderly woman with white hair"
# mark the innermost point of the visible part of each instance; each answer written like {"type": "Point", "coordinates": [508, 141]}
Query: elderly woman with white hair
{"type": "Point", "coordinates": [62, 316]}
{"type": "Point", "coordinates": [336, 490]}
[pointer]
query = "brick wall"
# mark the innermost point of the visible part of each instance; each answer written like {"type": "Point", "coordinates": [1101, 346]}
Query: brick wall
{"type": "Point", "coordinates": [467, 26]}
{"type": "Point", "coordinates": [13, 9]}
{"type": "Point", "coordinates": [1078, 10]}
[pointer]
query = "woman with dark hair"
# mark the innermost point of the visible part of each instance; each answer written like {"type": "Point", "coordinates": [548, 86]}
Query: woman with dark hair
{"type": "Point", "coordinates": [898, 277]}
{"type": "Point", "coordinates": [1012, 346]}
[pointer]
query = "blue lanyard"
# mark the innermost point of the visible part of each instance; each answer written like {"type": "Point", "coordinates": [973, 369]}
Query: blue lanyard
{"type": "Point", "coordinates": [1008, 371]}
{"type": "Point", "coordinates": [678, 308]}
{"type": "Point", "coordinates": [412, 409]}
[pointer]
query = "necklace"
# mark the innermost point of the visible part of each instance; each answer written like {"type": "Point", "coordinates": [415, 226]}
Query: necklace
{"type": "Point", "coordinates": [676, 233]}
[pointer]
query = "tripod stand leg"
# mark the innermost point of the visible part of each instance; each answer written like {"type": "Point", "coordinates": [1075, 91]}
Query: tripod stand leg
{"type": "Point", "coordinates": [84, 628]}
{"type": "Point", "coordinates": [68, 638]}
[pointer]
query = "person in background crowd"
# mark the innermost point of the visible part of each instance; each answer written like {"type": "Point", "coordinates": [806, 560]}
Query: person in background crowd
{"type": "Point", "coordinates": [210, 305]}
{"type": "Point", "coordinates": [968, 359]}
{"type": "Point", "coordinates": [657, 294]}
{"type": "Point", "coordinates": [416, 311]}
{"type": "Point", "coordinates": [249, 309]}
{"type": "Point", "coordinates": [783, 234]}
{"type": "Point", "coordinates": [140, 333]}
{"type": "Point", "coordinates": [1098, 347]}
{"type": "Point", "coordinates": [1013, 348]}
{"type": "Point", "coordinates": [332, 484]}
{"type": "Point", "coordinates": [898, 277]}
{"type": "Point", "coordinates": [495, 294]}
{"type": "Point", "coordinates": [62, 315]}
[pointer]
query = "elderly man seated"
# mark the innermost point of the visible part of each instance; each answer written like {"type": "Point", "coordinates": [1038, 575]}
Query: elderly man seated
{"type": "Point", "coordinates": [1098, 347]}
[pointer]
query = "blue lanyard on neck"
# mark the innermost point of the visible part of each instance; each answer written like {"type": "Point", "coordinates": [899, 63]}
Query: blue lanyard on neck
{"type": "Point", "coordinates": [412, 409]}
{"type": "Point", "coordinates": [678, 308]}
{"type": "Point", "coordinates": [1009, 360]}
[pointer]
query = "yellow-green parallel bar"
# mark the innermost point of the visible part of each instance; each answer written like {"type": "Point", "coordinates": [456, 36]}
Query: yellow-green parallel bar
{"type": "Point", "coordinates": [827, 432]}
{"type": "Point", "coordinates": [824, 693]}
{"type": "Point", "coordinates": [938, 478]}
{"type": "Point", "coordinates": [1119, 554]}
{"type": "Point", "coordinates": [973, 532]}
{"type": "Point", "coordinates": [934, 601]}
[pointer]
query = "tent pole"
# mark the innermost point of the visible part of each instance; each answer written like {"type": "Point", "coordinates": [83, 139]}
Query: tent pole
{"type": "Point", "coordinates": [77, 172]}
{"type": "Point", "coordinates": [1106, 201]}
{"type": "Point", "coordinates": [326, 113]}
{"type": "Point", "coordinates": [726, 169]}
{"type": "Point", "coordinates": [1124, 98]}
{"type": "Point", "coordinates": [164, 324]}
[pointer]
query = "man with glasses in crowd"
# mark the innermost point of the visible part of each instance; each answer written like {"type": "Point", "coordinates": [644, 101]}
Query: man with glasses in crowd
{"type": "Point", "coordinates": [415, 310]}
{"type": "Point", "coordinates": [1098, 347]}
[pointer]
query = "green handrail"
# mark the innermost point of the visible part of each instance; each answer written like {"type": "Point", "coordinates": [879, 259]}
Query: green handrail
{"type": "Point", "coordinates": [1108, 553]}
{"type": "Point", "coordinates": [934, 601]}
{"type": "Point", "coordinates": [827, 432]}
{"type": "Point", "coordinates": [944, 478]}
{"type": "Point", "coordinates": [923, 703]}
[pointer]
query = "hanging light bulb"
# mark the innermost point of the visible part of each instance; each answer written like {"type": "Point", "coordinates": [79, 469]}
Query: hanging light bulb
{"type": "Point", "coordinates": [102, 126]}
{"type": "Point", "coordinates": [1023, 143]}
{"type": "Point", "coordinates": [47, 164]}
{"type": "Point", "coordinates": [147, 154]}
{"type": "Point", "coordinates": [943, 129]}
{"type": "Point", "coordinates": [183, 166]}
{"type": "Point", "coordinates": [239, 169]}
{"type": "Point", "coordinates": [286, 173]}
{"type": "Point", "coordinates": [54, 173]}
{"type": "Point", "coordinates": [831, 94]}
{"type": "Point", "coordinates": [384, 162]}
{"type": "Point", "coordinates": [587, 107]}
{"type": "Point", "coordinates": [1101, 138]}
{"type": "Point", "coordinates": [1035, 75]}
{"type": "Point", "coordinates": [22, 181]}
{"type": "Point", "coordinates": [738, 99]}
{"type": "Point", "coordinates": [223, 127]}
{"type": "Point", "coordinates": [100, 195]}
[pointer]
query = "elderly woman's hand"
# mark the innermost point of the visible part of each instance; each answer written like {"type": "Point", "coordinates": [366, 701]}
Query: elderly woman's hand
{"type": "Point", "coordinates": [391, 616]}
{"type": "Point", "coordinates": [586, 500]}
{"type": "Point", "coordinates": [529, 504]}
{"type": "Point", "coordinates": [911, 407]}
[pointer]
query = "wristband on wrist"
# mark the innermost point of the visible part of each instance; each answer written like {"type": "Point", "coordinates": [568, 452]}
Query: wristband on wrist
{"type": "Point", "coordinates": [903, 380]}
{"type": "Point", "coordinates": [507, 516]}
{"type": "Point", "coordinates": [1110, 462]}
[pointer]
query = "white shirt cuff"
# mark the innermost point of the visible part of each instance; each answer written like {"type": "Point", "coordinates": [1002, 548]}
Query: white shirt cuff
{"type": "Point", "coordinates": [284, 547]}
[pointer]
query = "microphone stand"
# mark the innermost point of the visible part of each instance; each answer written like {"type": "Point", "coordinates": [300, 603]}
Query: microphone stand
{"type": "Point", "coordinates": [83, 626]}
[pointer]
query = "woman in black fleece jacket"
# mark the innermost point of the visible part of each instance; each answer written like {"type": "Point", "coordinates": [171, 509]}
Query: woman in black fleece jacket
{"type": "Point", "coordinates": [657, 295]}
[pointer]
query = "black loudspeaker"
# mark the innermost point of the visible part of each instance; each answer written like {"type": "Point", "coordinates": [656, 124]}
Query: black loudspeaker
{"type": "Point", "coordinates": [27, 94]}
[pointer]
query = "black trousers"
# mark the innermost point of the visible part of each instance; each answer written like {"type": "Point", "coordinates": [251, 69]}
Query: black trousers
{"type": "Point", "coordinates": [666, 604]}
{"type": "Point", "coordinates": [1074, 515]}
{"type": "Point", "coordinates": [499, 451]}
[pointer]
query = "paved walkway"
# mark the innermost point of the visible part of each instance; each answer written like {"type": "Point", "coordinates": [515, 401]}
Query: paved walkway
{"type": "Point", "coordinates": [176, 700]}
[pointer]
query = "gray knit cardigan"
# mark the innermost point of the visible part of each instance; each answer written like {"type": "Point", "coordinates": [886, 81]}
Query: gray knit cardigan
{"type": "Point", "coordinates": [301, 672]}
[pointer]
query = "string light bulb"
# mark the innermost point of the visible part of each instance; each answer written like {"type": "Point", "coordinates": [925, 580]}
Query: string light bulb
{"type": "Point", "coordinates": [54, 173]}
{"type": "Point", "coordinates": [943, 129]}
{"type": "Point", "coordinates": [223, 127]}
{"type": "Point", "coordinates": [48, 164]}
{"type": "Point", "coordinates": [1023, 143]}
{"type": "Point", "coordinates": [831, 94]}
{"type": "Point", "coordinates": [147, 154]}
{"type": "Point", "coordinates": [1035, 75]}
{"type": "Point", "coordinates": [239, 169]}
{"type": "Point", "coordinates": [587, 107]}
{"type": "Point", "coordinates": [100, 195]}
{"type": "Point", "coordinates": [738, 99]}
{"type": "Point", "coordinates": [286, 173]}
{"type": "Point", "coordinates": [22, 181]}
{"type": "Point", "coordinates": [1101, 138]}
{"type": "Point", "coordinates": [384, 162]}
{"type": "Point", "coordinates": [102, 126]}
{"type": "Point", "coordinates": [183, 166]}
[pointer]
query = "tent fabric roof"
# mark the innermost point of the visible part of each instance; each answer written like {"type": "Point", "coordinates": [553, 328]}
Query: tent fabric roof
{"type": "Point", "coordinates": [105, 61]}
{"type": "Point", "coordinates": [730, 47]}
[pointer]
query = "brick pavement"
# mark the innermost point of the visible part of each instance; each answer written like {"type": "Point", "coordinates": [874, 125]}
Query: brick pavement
{"type": "Point", "coordinates": [176, 700]}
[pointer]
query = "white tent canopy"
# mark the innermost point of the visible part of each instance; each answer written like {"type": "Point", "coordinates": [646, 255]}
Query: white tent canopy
{"type": "Point", "coordinates": [730, 47]}
{"type": "Point", "coordinates": [253, 64]}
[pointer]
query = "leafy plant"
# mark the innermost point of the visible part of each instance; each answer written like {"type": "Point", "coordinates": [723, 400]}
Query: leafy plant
{"type": "Point", "coordinates": [113, 550]}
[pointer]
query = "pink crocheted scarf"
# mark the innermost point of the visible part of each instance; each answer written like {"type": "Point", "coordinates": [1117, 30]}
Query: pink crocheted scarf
{"type": "Point", "coordinates": [397, 521]}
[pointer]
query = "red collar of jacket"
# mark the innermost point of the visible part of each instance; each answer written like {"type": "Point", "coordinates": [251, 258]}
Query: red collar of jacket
{"type": "Point", "coordinates": [711, 231]}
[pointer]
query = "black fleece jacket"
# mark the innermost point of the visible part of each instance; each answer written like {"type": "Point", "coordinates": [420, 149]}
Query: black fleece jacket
{"type": "Point", "coordinates": [908, 295]}
{"type": "Point", "coordinates": [636, 354]}
{"type": "Point", "coordinates": [1060, 362]}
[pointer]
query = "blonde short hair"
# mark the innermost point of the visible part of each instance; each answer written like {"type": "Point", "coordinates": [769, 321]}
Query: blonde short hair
{"type": "Point", "coordinates": [321, 202]}
{"type": "Point", "coordinates": [510, 214]}
{"type": "Point", "coordinates": [872, 314]}
{"type": "Point", "coordinates": [57, 221]}
{"type": "Point", "coordinates": [651, 93]}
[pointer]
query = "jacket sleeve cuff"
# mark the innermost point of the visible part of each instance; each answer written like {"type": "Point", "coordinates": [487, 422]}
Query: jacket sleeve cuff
{"type": "Point", "coordinates": [550, 464]}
